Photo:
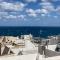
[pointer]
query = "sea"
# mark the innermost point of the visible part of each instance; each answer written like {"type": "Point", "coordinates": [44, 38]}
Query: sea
{"type": "Point", "coordinates": [24, 30]}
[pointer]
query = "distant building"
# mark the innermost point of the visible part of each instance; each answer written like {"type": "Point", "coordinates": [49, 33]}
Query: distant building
{"type": "Point", "coordinates": [26, 37]}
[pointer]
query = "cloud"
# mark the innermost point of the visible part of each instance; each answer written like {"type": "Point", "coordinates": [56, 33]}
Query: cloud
{"type": "Point", "coordinates": [12, 6]}
{"type": "Point", "coordinates": [17, 17]}
{"type": "Point", "coordinates": [36, 12]}
{"type": "Point", "coordinates": [30, 1]}
{"type": "Point", "coordinates": [55, 0]}
{"type": "Point", "coordinates": [7, 15]}
{"type": "Point", "coordinates": [44, 0]}
{"type": "Point", "coordinates": [58, 9]}
{"type": "Point", "coordinates": [44, 11]}
{"type": "Point", "coordinates": [55, 16]}
{"type": "Point", "coordinates": [3, 13]}
{"type": "Point", "coordinates": [31, 12]}
{"type": "Point", "coordinates": [42, 14]}
{"type": "Point", "coordinates": [11, 16]}
{"type": "Point", "coordinates": [22, 16]}
{"type": "Point", "coordinates": [48, 6]}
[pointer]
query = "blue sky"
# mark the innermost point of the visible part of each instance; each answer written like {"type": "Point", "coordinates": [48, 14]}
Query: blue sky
{"type": "Point", "coordinates": [29, 12]}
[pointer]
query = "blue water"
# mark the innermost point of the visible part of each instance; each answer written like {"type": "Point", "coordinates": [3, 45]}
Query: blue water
{"type": "Point", "coordinates": [35, 31]}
